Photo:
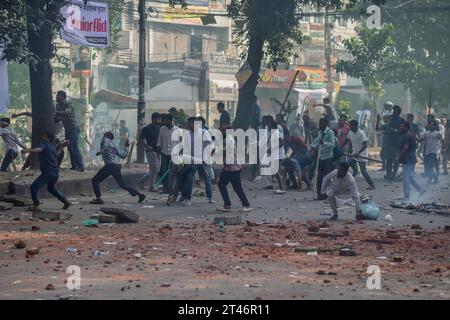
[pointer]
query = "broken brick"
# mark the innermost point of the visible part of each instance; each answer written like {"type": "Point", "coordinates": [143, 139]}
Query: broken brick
{"type": "Point", "coordinates": [227, 220]}
{"type": "Point", "coordinates": [398, 259]}
{"type": "Point", "coordinates": [5, 206]}
{"type": "Point", "coordinates": [19, 244]}
{"type": "Point", "coordinates": [104, 218]}
{"type": "Point", "coordinates": [123, 215]}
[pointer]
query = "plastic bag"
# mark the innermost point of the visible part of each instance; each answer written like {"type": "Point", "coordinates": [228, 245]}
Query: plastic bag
{"type": "Point", "coordinates": [370, 211]}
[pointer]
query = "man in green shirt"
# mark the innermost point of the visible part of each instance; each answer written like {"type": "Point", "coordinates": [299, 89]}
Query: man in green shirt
{"type": "Point", "coordinates": [324, 145]}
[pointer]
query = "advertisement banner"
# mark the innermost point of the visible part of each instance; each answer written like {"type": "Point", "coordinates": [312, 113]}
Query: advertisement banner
{"type": "Point", "coordinates": [223, 87]}
{"type": "Point", "coordinates": [192, 16]}
{"type": "Point", "coordinates": [86, 25]}
{"type": "Point", "coordinates": [311, 78]}
{"type": "Point", "coordinates": [4, 87]}
{"type": "Point", "coordinates": [279, 79]}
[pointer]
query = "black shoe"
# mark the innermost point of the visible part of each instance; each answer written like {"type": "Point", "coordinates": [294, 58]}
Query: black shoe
{"type": "Point", "coordinates": [97, 201]}
{"type": "Point", "coordinates": [141, 197]}
{"type": "Point", "coordinates": [67, 204]}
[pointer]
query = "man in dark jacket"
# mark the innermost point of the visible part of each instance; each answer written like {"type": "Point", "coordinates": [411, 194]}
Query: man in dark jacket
{"type": "Point", "coordinates": [66, 114]}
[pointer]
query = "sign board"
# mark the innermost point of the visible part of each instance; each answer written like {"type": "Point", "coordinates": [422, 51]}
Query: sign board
{"type": "Point", "coordinates": [223, 87]}
{"type": "Point", "coordinates": [191, 16]}
{"type": "Point", "coordinates": [192, 72]}
{"type": "Point", "coordinates": [86, 25]}
{"type": "Point", "coordinates": [279, 79]}
{"type": "Point", "coordinates": [80, 59]}
{"type": "Point", "coordinates": [244, 73]}
{"type": "Point", "coordinates": [310, 78]}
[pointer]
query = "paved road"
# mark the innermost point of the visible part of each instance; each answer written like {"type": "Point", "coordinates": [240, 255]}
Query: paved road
{"type": "Point", "coordinates": [193, 259]}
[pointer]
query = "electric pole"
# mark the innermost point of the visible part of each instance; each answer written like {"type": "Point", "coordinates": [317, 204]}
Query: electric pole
{"type": "Point", "coordinates": [327, 41]}
{"type": "Point", "coordinates": [141, 94]}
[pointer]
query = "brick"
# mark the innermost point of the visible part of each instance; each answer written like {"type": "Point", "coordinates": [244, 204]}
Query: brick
{"type": "Point", "coordinates": [347, 252]}
{"type": "Point", "coordinates": [16, 201]}
{"type": "Point", "coordinates": [5, 206]}
{"type": "Point", "coordinates": [32, 251]}
{"type": "Point", "coordinates": [46, 215]}
{"type": "Point", "coordinates": [398, 259]}
{"type": "Point", "coordinates": [51, 215]}
{"type": "Point", "coordinates": [104, 218]}
{"type": "Point", "coordinates": [123, 215]}
{"type": "Point", "coordinates": [228, 221]}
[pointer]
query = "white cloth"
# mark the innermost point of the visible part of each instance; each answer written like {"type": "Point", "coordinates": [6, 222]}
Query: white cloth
{"type": "Point", "coordinates": [4, 87]}
{"type": "Point", "coordinates": [357, 139]}
{"type": "Point", "coordinates": [11, 139]}
{"type": "Point", "coordinates": [164, 139]}
{"type": "Point", "coordinates": [344, 188]}
{"type": "Point", "coordinates": [432, 142]}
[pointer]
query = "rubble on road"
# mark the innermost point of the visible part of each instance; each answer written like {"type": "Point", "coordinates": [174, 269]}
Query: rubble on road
{"type": "Point", "coordinates": [19, 244]}
{"type": "Point", "coordinates": [434, 207]}
{"type": "Point", "coordinates": [51, 215]}
{"type": "Point", "coordinates": [5, 206]}
{"type": "Point", "coordinates": [123, 215]}
{"type": "Point", "coordinates": [104, 218]}
{"type": "Point", "coordinates": [227, 221]}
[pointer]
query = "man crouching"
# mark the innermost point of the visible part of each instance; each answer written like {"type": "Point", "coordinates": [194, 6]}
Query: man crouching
{"type": "Point", "coordinates": [340, 183]}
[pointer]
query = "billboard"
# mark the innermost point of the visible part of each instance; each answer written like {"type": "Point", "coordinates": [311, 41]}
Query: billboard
{"type": "Point", "coordinates": [86, 25]}
{"type": "Point", "coordinates": [277, 79]}
{"type": "Point", "coordinates": [223, 87]}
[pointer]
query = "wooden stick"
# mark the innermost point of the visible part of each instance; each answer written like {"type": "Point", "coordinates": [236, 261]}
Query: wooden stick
{"type": "Point", "coordinates": [362, 157]}
{"type": "Point", "coordinates": [128, 164]}
{"type": "Point", "coordinates": [288, 93]}
{"type": "Point", "coordinates": [316, 169]}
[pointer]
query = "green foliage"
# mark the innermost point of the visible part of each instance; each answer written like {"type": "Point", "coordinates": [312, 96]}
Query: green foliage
{"type": "Point", "coordinates": [19, 85]}
{"type": "Point", "coordinates": [344, 107]}
{"type": "Point", "coordinates": [276, 23]}
{"type": "Point", "coordinates": [376, 60]}
{"type": "Point", "coordinates": [424, 36]}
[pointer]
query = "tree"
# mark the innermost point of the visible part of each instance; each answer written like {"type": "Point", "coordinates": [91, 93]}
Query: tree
{"type": "Point", "coordinates": [422, 33]}
{"type": "Point", "coordinates": [268, 29]}
{"type": "Point", "coordinates": [375, 60]}
{"type": "Point", "coordinates": [29, 28]}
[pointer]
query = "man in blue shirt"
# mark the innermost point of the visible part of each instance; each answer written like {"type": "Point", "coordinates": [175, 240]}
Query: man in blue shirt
{"type": "Point", "coordinates": [407, 157]}
{"type": "Point", "coordinates": [49, 170]}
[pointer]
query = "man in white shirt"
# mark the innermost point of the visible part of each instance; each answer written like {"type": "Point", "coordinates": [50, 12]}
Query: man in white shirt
{"type": "Point", "coordinates": [433, 142]}
{"type": "Point", "coordinates": [165, 146]}
{"type": "Point", "coordinates": [11, 141]}
{"type": "Point", "coordinates": [360, 147]}
{"type": "Point", "coordinates": [340, 183]}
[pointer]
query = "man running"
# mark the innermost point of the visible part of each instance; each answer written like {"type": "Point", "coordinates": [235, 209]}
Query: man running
{"type": "Point", "coordinates": [49, 170]}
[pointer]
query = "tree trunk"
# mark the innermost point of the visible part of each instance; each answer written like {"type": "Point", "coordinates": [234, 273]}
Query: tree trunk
{"type": "Point", "coordinates": [247, 92]}
{"type": "Point", "coordinates": [40, 43]}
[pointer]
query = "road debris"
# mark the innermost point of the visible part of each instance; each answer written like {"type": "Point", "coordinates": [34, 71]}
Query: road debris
{"type": "Point", "coordinates": [124, 215]}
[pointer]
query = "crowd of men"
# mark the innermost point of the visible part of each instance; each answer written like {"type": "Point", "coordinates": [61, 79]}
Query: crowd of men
{"type": "Point", "coordinates": [305, 153]}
